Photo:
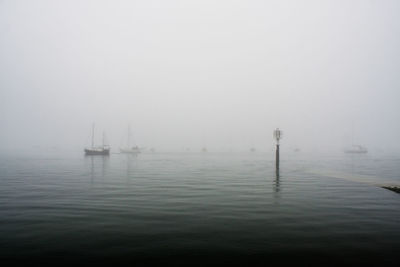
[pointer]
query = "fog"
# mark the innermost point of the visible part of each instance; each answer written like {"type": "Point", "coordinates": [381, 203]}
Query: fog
{"type": "Point", "coordinates": [188, 74]}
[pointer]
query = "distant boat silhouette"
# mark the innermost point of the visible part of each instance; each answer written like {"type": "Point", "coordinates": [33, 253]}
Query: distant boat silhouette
{"type": "Point", "coordinates": [128, 148]}
{"type": "Point", "coordinates": [131, 150]}
{"type": "Point", "coordinates": [356, 149]}
{"type": "Point", "coordinates": [99, 150]}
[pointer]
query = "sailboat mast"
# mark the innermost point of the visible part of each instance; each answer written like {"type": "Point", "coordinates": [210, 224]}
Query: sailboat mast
{"type": "Point", "coordinates": [93, 135]}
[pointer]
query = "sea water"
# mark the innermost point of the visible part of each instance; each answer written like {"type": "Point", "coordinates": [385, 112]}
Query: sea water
{"type": "Point", "coordinates": [199, 208]}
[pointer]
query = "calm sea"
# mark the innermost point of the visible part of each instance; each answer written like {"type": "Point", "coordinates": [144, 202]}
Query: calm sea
{"type": "Point", "coordinates": [199, 209]}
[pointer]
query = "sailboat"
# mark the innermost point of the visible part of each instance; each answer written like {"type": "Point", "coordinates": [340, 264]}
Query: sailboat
{"type": "Point", "coordinates": [128, 148]}
{"type": "Point", "coordinates": [356, 149]}
{"type": "Point", "coordinates": [97, 150]}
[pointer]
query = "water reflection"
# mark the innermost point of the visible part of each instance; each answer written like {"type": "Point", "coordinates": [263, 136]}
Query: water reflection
{"type": "Point", "coordinates": [98, 166]}
{"type": "Point", "coordinates": [277, 182]}
{"type": "Point", "coordinates": [276, 185]}
{"type": "Point", "coordinates": [356, 163]}
{"type": "Point", "coordinates": [130, 165]}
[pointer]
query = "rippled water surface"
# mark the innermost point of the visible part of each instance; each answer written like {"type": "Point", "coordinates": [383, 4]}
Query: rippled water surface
{"type": "Point", "coordinates": [194, 208]}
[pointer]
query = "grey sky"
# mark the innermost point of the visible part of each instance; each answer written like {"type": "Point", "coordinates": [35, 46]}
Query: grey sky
{"type": "Point", "coordinates": [193, 73]}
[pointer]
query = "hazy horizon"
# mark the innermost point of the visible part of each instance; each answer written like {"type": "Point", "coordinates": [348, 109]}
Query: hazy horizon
{"type": "Point", "coordinates": [188, 74]}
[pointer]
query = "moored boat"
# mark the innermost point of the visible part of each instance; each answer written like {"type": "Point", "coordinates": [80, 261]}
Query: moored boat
{"type": "Point", "coordinates": [357, 149]}
{"type": "Point", "coordinates": [128, 148]}
{"type": "Point", "coordinates": [97, 150]}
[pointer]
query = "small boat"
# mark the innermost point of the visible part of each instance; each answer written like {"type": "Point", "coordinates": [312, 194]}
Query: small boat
{"type": "Point", "coordinates": [97, 150]}
{"type": "Point", "coordinates": [356, 149]}
{"type": "Point", "coordinates": [132, 150]}
{"type": "Point", "coordinates": [105, 151]}
{"type": "Point", "coordinates": [128, 148]}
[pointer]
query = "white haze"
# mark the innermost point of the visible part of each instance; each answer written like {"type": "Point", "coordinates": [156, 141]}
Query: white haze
{"type": "Point", "coordinates": [188, 74]}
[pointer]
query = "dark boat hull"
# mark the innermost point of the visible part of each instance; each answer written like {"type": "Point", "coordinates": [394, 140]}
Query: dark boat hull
{"type": "Point", "coordinates": [104, 152]}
